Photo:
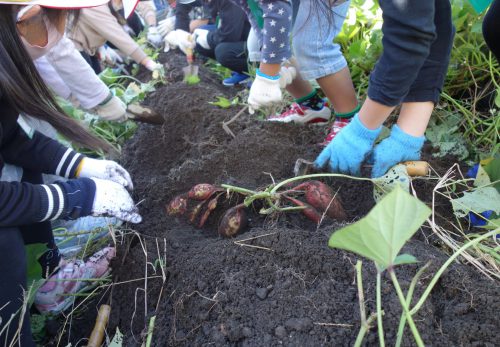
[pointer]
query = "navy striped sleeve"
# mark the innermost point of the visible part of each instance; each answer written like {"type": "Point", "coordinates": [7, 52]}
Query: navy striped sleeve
{"type": "Point", "coordinates": [37, 152]}
{"type": "Point", "coordinates": [25, 203]}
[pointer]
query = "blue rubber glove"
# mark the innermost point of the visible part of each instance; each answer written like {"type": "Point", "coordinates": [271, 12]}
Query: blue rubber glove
{"type": "Point", "coordinates": [349, 148]}
{"type": "Point", "coordinates": [395, 149]}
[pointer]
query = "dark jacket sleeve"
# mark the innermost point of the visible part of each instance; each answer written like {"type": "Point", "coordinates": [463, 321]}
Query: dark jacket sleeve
{"type": "Point", "coordinates": [25, 203]}
{"type": "Point", "coordinates": [32, 150]}
{"type": "Point", "coordinates": [182, 19]}
{"type": "Point", "coordinates": [233, 23]}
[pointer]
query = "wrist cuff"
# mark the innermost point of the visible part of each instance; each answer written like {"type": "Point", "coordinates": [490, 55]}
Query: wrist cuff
{"type": "Point", "coordinates": [407, 140]}
{"type": "Point", "coordinates": [79, 197]}
{"type": "Point", "coordinates": [362, 131]}
{"type": "Point", "coordinates": [108, 98]}
{"type": "Point", "coordinates": [272, 78]}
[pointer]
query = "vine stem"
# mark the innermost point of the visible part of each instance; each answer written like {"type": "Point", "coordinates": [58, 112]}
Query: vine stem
{"type": "Point", "coordinates": [380, 323]}
{"type": "Point", "coordinates": [298, 178]}
{"type": "Point", "coordinates": [364, 329]}
{"type": "Point", "coordinates": [406, 310]}
{"type": "Point", "coordinates": [409, 296]}
{"type": "Point", "coordinates": [445, 266]}
{"type": "Point", "coordinates": [238, 189]}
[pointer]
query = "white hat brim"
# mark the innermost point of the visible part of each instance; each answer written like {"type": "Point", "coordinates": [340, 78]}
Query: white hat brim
{"type": "Point", "coordinates": [66, 4]}
{"type": "Point", "coordinates": [128, 5]}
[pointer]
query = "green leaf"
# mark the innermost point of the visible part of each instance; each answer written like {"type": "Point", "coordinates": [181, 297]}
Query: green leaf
{"type": "Point", "coordinates": [34, 270]}
{"type": "Point", "coordinates": [497, 98]}
{"type": "Point", "coordinates": [117, 339]}
{"type": "Point", "coordinates": [405, 259]}
{"type": "Point", "coordinates": [396, 176]}
{"type": "Point", "coordinates": [478, 201]}
{"type": "Point", "coordinates": [492, 224]}
{"type": "Point", "coordinates": [382, 233]}
{"type": "Point", "coordinates": [37, 322]}
{"type": "Point", "coordinates": [492, 168]}
{"type": "Point", "coordinates": [222, 102]}
{"type": "Point", "coordinates": [482, 177]}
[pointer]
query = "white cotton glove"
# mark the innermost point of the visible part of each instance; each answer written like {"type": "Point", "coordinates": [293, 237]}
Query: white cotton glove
{"type": "Point", "coordinates": [180, 38]}
{"type": "Point", "coordinates": [166, 26]}
{"type": "Point", "coordinates": [264, 92]}
{"type": "Point", "coordinates": [170, 41]}
{"type": "Point", "coordinates": [154, 36]}
{"type": "Point", "coordinates": [288, 74]}
{"type": "Point", "coordinates": [152, 65]}
{"type": "Point", "coordinates": [201, 37]}
{"type": "Point", "coordinates": [112, 199]}
{"type": "Point", "coordinates": [105, 170]}
{"type": "Point", "coordinates": [109, 55]}
{"type": "Point", "coordinates": [113, 110]}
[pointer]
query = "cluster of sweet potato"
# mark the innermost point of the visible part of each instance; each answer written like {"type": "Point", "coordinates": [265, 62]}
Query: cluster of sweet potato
{"type": "Point", "coordinates": [315, 199]}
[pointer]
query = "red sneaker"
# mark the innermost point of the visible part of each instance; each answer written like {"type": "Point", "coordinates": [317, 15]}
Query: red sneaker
{"type": "Point", "coordinates": [301, 114]}
{"type": "Point", "coordinates": [337, 125]}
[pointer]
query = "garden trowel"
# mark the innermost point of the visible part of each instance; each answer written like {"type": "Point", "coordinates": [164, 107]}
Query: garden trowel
{"type": "Point", "coordinates": [190, 71]}
{"type": "Point", "coordinates": [144, 114]}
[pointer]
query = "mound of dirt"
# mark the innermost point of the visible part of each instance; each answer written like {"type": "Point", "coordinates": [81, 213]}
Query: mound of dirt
{"type": "Point", "coordinates": [281, 285]}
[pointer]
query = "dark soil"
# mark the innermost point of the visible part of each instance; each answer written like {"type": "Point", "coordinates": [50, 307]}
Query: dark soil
{"type": "Point", "coordinates": [293, 290]}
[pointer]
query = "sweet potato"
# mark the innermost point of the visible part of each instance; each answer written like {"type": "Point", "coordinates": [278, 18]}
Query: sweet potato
{"type": "Point", "coordinates": [309, 211]}
{"type": "Point", "coordinates": [177, 206]}
{"type": "Point", "coordinates": [234, 221]}
{"type": "Point", "coordinates": [212, 205]}
{"type": "Point", "coordinates": [193, 215]}
{"type": "Point", "coordinates": [202, 191]}
{"type": "Point", "coordinates": [321, 197]}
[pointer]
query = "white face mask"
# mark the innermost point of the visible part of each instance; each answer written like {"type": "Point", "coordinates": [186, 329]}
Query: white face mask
{"type": "Point", "coordinates": [53, 37]}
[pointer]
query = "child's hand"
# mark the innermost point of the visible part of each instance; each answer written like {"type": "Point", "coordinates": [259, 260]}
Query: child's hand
{"type": "Point", "coordinates": [265, 92]}
{"type": "Point", "coordinates": [395, 149]}
{"type": "Point", "coordinates": [349, 148]}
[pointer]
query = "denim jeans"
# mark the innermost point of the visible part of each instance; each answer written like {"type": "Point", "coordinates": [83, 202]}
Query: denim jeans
{"type": "Point", "coordinates": [312, 40]}
{"type": "Point", "coordinates": [417, 45]}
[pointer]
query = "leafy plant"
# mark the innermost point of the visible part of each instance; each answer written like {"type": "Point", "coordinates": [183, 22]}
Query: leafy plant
{"type": "Point", "coordinates": [380, 237]}
{"type": "Point", "coordinates": [192, 79]}
{"type": "Point", "coordinates": [223, 102]}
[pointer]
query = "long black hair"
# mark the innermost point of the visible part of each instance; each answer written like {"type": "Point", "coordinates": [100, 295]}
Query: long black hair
{"type": "Point", "coordinates": [23, 88]}
{"type": "Point", "coordinates": [321, 9]}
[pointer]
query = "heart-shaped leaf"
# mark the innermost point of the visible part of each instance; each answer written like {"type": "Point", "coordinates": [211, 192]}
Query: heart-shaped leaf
{"type": "Point", "coordinates": [405, 259]}
{"type": "Point", "coordinates": [382, 233]}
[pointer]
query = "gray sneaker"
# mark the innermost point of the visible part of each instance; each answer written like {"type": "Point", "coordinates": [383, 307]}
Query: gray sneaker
{"type": "Point", "coordinates": [72, 235]}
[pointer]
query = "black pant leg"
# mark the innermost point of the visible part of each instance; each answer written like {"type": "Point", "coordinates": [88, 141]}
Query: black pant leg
{"type": "Point", "coordinates": [430, 79]}
{"type": "Point", "coordinates": [208, 53]}
{"type": "Point", "coordinates": [12, 284]}
{"type": "Point", "coordinates": [491, 28]}
{"type": "Point", "coordinates": [409, 32]}
{"type": "Point", "coordinates": [232, 55]}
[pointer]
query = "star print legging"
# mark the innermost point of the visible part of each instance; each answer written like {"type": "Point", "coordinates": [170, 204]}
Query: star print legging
{"type": "Point", "coordinates": [272, 21]}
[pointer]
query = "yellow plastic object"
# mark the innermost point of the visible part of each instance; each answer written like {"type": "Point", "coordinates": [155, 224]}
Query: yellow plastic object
{"type": "Point", "coordinates": [101, 322]}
